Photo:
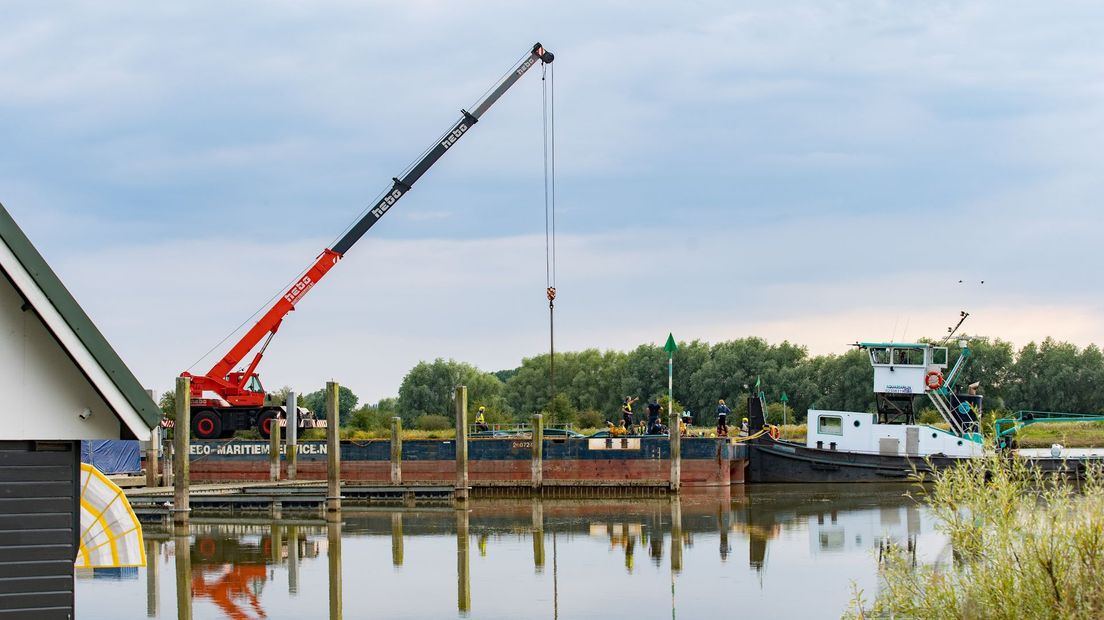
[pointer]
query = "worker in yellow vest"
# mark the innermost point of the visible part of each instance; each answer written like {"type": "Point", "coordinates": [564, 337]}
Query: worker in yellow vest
{"type": "Point", "coordinates": [480, 420]}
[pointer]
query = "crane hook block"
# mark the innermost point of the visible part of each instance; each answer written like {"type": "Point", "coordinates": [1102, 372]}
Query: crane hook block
{"type": "Point", "coordinates": [551, 293]}
{"type": "Point", "coordinates": [546, 56]}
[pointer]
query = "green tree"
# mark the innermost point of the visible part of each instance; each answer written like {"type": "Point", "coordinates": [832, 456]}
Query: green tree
{"type": "Point", "coordinates": [316, 402]}
{"type": "Point", "coordinates": [429, 389]}
{"type": "Point", "coordinates": [167, 403]}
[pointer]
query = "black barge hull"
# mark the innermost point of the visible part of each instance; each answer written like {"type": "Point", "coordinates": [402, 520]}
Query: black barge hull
{"type": "Point", "coordinates": [782, 461]}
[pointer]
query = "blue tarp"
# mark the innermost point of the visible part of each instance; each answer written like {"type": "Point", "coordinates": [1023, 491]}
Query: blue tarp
{"type": "Point", "coordinates": [112, 456]}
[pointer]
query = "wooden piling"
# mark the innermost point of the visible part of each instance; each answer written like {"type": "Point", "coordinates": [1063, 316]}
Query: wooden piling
{"type": "Point", "coordinates": [537, 475]}
{"type": "Point", "coordinates": [676, 452]}
{"type": "Point", "coordinates": [153, 450]}
{"type": "Point", "coordinates": [461, 492]}
{"type": "Point", "coordinates": [292, 441]}
{"type": "Point", "coordinates": [274, 452]}
{"type": "Point", "coordinates": [396, 450]}
{"type": "Point", "coordinates": [153, 456]}
{"type": "Point", "coordinates": [182, 436]}
{"type": "Point", "coordinates": [170, 458]}
{"type": "Point", "coordinates": [333, 450]}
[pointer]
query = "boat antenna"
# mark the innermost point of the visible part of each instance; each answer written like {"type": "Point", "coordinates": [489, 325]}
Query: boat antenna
{"type": "Point", "coordinates": [951, 330]}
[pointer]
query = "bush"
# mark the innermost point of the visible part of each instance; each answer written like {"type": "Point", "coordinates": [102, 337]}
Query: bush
{"type": "Point", "coordinates": [368, 419]}
{"type": "Point", "coordinates": [1024, 546]}
{"type": "Point", "coordinates": [432, 422]}
{"type": "Point", "coordinates": [591, 419]}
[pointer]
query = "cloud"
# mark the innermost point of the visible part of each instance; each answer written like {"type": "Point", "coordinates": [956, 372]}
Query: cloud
{"type": "Point", "coordinates": [392, 303]}
{"type": "Point", "coordinates": [802, 170]}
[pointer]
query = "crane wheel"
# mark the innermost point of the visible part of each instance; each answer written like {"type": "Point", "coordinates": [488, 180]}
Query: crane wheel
{"type": "Point", "coordinates": [265, 422]}
{"type": "Point", "coordinates": [206, 425]}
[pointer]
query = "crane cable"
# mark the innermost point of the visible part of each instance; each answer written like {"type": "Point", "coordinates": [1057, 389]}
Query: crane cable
{"type": "Point", "coordinates": [548, 92]}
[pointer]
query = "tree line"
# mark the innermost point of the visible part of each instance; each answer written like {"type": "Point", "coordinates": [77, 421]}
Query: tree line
{"type": "Point", "coordinates": [590, 384]}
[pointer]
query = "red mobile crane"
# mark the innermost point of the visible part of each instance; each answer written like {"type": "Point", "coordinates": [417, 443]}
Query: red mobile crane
{"type": "Point", "coordinates": [225, 400]}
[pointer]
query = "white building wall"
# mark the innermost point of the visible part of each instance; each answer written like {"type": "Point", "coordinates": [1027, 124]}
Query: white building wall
{"type": "Point", "coordinates": [44, 391]}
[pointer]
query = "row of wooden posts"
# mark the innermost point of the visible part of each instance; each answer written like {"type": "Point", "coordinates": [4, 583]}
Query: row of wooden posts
{"type": "Point", "coordinates": [182, 448]}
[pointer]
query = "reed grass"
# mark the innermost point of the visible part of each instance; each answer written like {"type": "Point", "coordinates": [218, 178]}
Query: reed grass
{"type": "Point", "coordinates": [1024, 546]}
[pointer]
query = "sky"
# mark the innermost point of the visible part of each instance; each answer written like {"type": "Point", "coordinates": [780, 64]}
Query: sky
{"type": "Point", "coordinates": [818, 172]}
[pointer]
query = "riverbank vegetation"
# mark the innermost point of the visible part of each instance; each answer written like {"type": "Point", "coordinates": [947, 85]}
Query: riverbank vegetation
{"type": "Point", "coordinates": [1048, 376]}
{"type": "Point", "coordinates": [1023, 546]}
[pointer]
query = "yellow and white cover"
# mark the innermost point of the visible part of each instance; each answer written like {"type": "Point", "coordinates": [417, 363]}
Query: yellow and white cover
{"type": "Point", "coordinates": [111, 536]}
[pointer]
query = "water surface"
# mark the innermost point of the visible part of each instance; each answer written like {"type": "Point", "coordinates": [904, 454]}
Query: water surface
{"type": "Point", "coordinates": [768, 551]}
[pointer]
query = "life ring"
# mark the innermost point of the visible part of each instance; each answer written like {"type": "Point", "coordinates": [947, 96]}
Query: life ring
{"type": "Point", "coordinates": [934, 380]}
{"type": "Point", "coordinates": [775, 432]}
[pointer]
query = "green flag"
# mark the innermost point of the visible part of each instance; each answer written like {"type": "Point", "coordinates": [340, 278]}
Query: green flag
{"type": "Point", "coordinates": [758, 382]}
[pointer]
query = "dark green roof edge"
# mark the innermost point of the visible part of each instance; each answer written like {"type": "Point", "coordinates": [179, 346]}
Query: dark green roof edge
{"type": "Point", "coordinates": [78, 321]}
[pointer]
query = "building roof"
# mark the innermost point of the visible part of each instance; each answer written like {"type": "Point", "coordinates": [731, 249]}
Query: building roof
{"type": "Point", "coordinates": [120, 381]}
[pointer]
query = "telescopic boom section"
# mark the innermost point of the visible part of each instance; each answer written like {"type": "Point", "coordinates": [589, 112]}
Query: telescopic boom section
{"type": "Point", "coordinates": [268, 324]}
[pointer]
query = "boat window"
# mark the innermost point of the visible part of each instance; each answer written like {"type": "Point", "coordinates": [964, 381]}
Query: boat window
{"type": "Point", "coordinates": [830, 425]}
{"type": "Point", "coordinates": [908, 357]}
{"type": "Point", "coordinates": [939, 356]}
{"type": "Point", "coordinates": [879, 355]}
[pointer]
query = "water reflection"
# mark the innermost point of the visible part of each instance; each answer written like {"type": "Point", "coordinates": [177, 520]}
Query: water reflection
{"type": "Point", "coordinates": [582, 554]}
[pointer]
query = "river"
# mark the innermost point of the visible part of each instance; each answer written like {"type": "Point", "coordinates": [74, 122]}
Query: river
{"type": "Point", "coordinates": [763, 551]}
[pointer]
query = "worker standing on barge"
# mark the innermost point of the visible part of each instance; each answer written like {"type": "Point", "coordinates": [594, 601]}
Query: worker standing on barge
{"type": "Point", "coordinates": [627, 412]}
{"type": "Point", "coordinates": [722, 418]}
{"type": "Point", "coordinates": [480, 420]}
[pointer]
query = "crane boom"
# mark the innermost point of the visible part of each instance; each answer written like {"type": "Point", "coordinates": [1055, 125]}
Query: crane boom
{"type": "Point", "coordinates": [232, 386]}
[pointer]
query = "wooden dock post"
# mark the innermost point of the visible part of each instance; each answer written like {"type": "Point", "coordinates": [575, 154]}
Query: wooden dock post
{"type": "Point", "coordinates": [182, 435]}
{"type": "Point", "coordinates": [673, 430]}
{"type": "Point", "coordinates": [396, 450]}
{"type": "Point", "coordinates": [292, 441]}
{"type": "Point", "coordinates": [538, 452]}
{"type": "Point", "coordinates": [153, 458]}
{"type": "Point", "coordinates": [170, 456]}
{"type": "Point", "coordinates": [153, 450]}
{"type": "Point", "coordinates": [461, 492]}
{"type": "Point", "coordinates": [274, 451]}
{"type": "Point", "coordinates": [333, 451]}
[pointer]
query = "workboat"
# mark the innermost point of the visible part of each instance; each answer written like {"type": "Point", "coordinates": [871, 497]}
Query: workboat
{"type": "Point", "coordinates": [849, 446]}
